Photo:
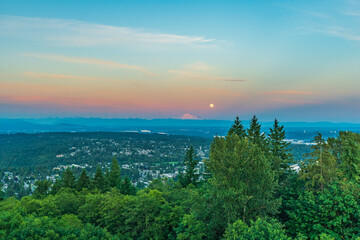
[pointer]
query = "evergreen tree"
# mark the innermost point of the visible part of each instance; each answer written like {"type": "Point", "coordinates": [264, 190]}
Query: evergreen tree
{"type": "Point", "coordinates": [113, 177]}
{"type": "Point", "coordinates": [345, 149]}
{"type": "Point", "coordinates": [83, 181]}
{"type": "Point", "coordinates": [42, 188]}
{"type": "Point", "coordinates": [320, 167]}
{"type": "Point", "coordinates": [68, 179]}
{"type": "Point", "coordinates": [191, 176]}
{"type": "Point", "coordinates": [255, 135]}
{"type": "Point", "coordinates": [99, 180]}
{"type": "Point", "coordinates": [127, 188]}
{"type": "Point", "coordinates": [279, 149]}
{"type": "Point", "coordinates": [206, 175]}
{"type": "Point", "coordinates": [2, 194]}
{"type": "Point", "coordinates": [22, 192]}
{"type": "Point", "coordinates": [350, 159]}
{"type": "Point", "coordinates": [237, 128]}
{"type": "Point", "coordinates": [56, 186]}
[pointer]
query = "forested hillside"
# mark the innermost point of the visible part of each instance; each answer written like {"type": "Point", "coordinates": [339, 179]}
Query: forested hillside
{"type": "Point", "coordinates": [26, 158]}
{"type": "Point", "coordinates": [47, 150]}
{"type": "Point", "coordinates": [248, 190]}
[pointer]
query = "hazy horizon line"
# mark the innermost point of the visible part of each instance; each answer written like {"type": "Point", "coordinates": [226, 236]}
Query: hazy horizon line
{"type": "Point", "coordinates": [174, 118]}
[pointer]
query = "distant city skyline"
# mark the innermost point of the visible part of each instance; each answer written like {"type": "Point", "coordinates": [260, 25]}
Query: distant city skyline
{"type": "Point", "coordinates": [294, 60]}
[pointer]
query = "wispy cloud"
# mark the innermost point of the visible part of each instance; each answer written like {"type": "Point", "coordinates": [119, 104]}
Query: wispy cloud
{"type": "Point", "coordinates": [79, 33]}
{"type": "Point", "coordinates": [66, 102]}
{"type": "Point", "coordinates": [311, 13]}
{"type": "Point", "coordinates": [350, 34]}
{"type": "Point", "coordinates": [210, 91]}
{"type": "Point", "coordinates": [288, 92]}
{"type": "Point", "coordinates": [90, 61]}
{"type": "Point", "coordinates": [291, 101]}
{"type": "Point", "coordinates": [223, 79]}
{"type": "Point", "coordinates": [56, 76]}
{"type": "Point", "coordinates": [352, 13]}
{"type": "Point", "coordinates": [201, 74]}
{"type": "Point", "coordinates": [353, 2]}
{"type": "Point", "coordinates": [337, 22]}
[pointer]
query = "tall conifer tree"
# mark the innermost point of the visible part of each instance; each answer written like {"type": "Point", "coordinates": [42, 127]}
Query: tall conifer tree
{"type": "Point", "coordinates": [113, 176]}
{"type": "Point", "coordinates": [237, 128]}
{"type": "Point", "coordinates": [255, 135]}
{"type": "Point", "coordinates": [320, 167]}
{"type": "Point", "coordinates": [68, 179]}
{"type": "Point", "coordinates": [350, 159]}
{"type": "Point", "coordinates": [279, 149]}
{"type": "Point", "coordinates": [190, 162]}
{"type": "Point", "coordinates": [42, 188]}
{"type": "Point", "coordinates": [99, 180]}
{"type": "Point", "coordinates": [127, 188]}
{"type": "Point", "coordinates": [83, 181]}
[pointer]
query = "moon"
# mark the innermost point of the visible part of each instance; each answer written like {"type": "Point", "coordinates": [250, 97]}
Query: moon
{"type": "Point", "coordinates": [211, 105]}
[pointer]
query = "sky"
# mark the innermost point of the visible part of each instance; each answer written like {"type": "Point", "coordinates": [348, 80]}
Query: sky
{"type": "Point", "coordinates": [294, 60]}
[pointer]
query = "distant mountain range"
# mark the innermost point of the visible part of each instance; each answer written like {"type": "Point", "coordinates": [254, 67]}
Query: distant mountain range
{"type": "Point", "coordinates": [207, 128]}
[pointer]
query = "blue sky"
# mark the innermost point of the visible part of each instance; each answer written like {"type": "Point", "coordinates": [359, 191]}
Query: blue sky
{"type": "Point", "coordinates": [295, 60]}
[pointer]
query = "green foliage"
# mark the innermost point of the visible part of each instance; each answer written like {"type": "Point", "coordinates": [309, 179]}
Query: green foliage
{"type": "Point", "coordinates": [2, 194]}
{"type": "Point", "coordinates": [190, 228]}
{"type": "Point", "coordinates": [83, 181]}
{"type": "Point", "coordinates": [280, 151]}
{"type": "Point", "coordinates": [99, 181]}
{"type": "Point", "coordinates": [324, 236]}
{"type": "Point", "coordinates": [242, 179]}
{"type": "Point", "coordinates": [238, 200]}
{"type": "Point", "coordinates": [127, 188]}
{"type": "Point", "coordinates": [335, 211]}
{"type": "Point", "coordinates": [42, 188]}
{"type": "Point", "coordinates": [289, 192]}
{"type": "Point", "coordinates": [147, 216]}
{"type": "Point", "coordinates": [350, 158]}
{"type": "Point", "coordinates": [337, 144]}
{"type": "Point", "coordinates": [68, 179]}
{"type": "Point", "coordinates": [67, 201]}
{"type": "Point", "coordinates": [209, 209]}
{"type": "Point", "coordinates": [320, 168]}
{"type": "Point", "coordinates": [236, 230]}
{"type": "Point", "coordinates": [255, 135]}
{"type": "Point", "coordinates": [190, 162]}
{"type": "Point", "coordinates": [113, 177]}
{"type": "Point", "coordinates": [91, 210]}
{"type": "Point", "coordinates": [68, 227]}
{"type": "Point", "coordinates": [237, 128]}
{"type": "Point", "coordinates": [258, 230]}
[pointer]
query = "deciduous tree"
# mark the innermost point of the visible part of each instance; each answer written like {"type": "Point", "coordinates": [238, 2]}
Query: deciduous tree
{"type": "Point", "coordinates": [242, 178]}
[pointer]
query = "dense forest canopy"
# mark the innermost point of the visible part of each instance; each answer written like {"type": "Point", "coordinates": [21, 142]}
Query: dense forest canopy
{"type": "Point", "coordinates": [40, 149]}
{"type": "Point", "coordinates": [249, 189]}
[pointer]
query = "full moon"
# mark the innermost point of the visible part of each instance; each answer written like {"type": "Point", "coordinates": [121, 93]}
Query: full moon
{"type": "Point", "coordinates": [211, 105]}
